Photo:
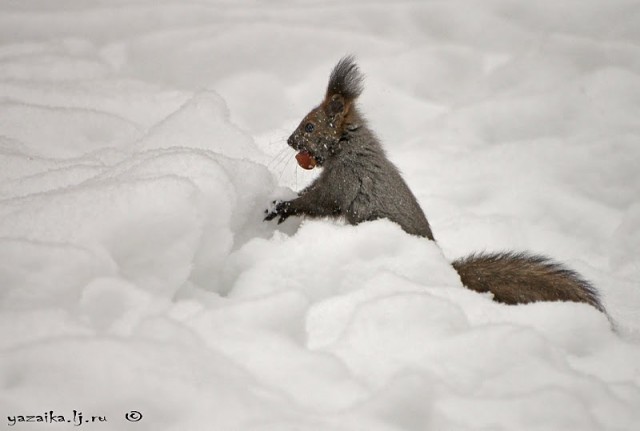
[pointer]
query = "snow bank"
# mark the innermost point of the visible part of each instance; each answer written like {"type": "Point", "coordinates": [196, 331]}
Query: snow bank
{"type": "Point", "coordinates": [140, 144]}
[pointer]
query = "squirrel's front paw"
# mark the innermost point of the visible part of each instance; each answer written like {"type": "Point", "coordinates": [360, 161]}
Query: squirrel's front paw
{"type": "Point", "coordinates": [279, 209]}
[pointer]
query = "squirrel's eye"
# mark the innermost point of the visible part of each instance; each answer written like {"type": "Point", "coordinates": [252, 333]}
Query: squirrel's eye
{"type": "Point", "coordinates": [309, 127]}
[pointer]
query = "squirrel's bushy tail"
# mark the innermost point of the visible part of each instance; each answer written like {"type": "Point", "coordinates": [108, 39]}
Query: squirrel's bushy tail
{"type": "Point", "coordinates": [520, 278]}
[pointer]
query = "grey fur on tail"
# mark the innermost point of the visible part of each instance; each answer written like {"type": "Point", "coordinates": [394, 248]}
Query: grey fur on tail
{"type": "Point", "coordinates": [358, 183]}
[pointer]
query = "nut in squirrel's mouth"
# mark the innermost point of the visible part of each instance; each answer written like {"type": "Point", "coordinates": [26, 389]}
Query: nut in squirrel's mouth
{"type": "Point", "coordinates": [306, 160]}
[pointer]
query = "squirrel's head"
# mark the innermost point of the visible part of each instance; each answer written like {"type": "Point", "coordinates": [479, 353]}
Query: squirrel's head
{"type": "Point", "coordinates": [321, 130]}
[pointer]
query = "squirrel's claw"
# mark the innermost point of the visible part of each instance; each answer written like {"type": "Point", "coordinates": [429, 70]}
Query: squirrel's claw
{"type": "Point", "coordinates": [280, 208]}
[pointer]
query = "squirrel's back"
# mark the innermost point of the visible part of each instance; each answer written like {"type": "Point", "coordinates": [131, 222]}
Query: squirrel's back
{"type": "Point", "coordinates": [382, 192]}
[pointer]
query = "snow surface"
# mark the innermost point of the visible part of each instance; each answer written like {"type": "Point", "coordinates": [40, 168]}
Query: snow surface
{"type": "Point", "coordinates": [141, 141]}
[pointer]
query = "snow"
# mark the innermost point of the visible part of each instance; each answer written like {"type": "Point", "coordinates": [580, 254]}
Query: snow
{"type": "Point", "coordinates": [141, 142]}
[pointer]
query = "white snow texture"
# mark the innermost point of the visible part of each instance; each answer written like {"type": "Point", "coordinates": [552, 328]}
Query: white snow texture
{"type": "Point", "coordinates": [142, 140]}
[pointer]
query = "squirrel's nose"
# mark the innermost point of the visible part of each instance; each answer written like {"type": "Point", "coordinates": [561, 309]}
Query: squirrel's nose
{"type": "Point", "coordinates": [292, 142]}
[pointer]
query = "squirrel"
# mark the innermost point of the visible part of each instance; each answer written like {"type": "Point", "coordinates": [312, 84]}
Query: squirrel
{"type": "Point", "coordinates": [359, 183]}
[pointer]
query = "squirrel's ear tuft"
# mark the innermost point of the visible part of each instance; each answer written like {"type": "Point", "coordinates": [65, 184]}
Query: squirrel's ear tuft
{"type": "Point", "coordinates": [345, 80]}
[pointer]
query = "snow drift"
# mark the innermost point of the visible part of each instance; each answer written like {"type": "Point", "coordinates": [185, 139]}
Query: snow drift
{"type": "Point", "coordinates": [140, 143]}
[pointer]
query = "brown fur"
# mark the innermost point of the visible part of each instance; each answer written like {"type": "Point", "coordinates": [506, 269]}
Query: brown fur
{"type": "Point", "coordinates": [520, 278]}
